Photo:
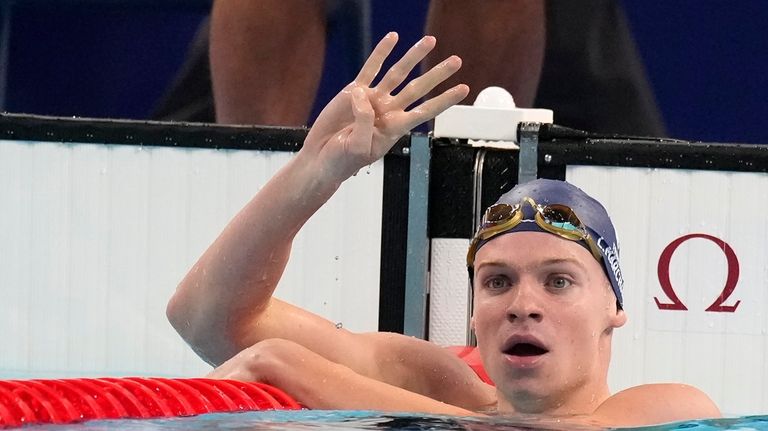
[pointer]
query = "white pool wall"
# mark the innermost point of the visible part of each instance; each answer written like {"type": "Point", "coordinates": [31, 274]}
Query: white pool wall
{"type": "Point", "coordinates": [95, 238]}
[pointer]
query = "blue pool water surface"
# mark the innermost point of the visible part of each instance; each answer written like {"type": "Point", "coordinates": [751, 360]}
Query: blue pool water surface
{"type": "Point", "coordinates": [367, 420]}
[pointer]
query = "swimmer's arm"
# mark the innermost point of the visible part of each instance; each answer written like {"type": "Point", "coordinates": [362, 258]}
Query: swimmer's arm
{"type": "Point", "coordinates": [655, 404]}
{"type": "Point", "coordinates": [228, 291]}
{"type": "Point", "coordinates": [224, 304]}
{"type": "Point", "coordinates": [318, 383]}
{"type": "Point", "coordinates": [428, 369]}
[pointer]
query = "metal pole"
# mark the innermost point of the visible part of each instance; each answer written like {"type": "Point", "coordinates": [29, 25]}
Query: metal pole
{"type": "Point", "coordinates": [528, 134]}
{"type": "Point", "coordinates": [416, 266]}
{"type": "Point", "coordinates": [477, 214]}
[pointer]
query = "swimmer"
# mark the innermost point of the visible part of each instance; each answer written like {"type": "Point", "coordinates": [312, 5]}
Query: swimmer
{"type": "Point", "coordinates": [543, 264]}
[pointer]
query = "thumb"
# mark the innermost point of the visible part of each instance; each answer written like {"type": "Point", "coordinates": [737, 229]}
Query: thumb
{"type": "Point", "coordinates": [362, 130]}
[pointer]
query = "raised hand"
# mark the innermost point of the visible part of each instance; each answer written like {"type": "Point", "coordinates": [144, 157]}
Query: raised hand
{"type": "Point", "coordinates": [225, 302]}
{"type": "Point", "coordinates": [363, 121]}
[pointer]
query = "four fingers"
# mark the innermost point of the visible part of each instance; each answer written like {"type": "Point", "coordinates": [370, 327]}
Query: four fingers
{"type": "Point", "coordinates": [416, 89]}
{"type": "Point", "coordinates": [397, 73]}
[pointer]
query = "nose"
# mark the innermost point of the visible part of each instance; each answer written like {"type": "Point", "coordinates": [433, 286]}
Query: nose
{"type": "Point", "coordinates": [524, 303]}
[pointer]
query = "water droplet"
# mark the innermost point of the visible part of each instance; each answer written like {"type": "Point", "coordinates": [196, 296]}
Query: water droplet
{"type": "Point", "coordinates": [339, 325]}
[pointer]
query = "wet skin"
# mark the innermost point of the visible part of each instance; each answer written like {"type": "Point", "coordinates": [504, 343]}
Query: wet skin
{"type": "Point", "coordinates": [544, 314]}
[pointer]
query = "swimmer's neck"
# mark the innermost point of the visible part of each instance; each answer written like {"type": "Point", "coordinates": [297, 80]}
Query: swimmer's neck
{"type": "Point", "coordinates": [583, 400]}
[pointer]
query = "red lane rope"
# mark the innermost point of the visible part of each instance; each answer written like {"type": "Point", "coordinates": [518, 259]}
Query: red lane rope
{"type": "Point", "coordinates": [25, 402]}
{"type": "Point", "coordinates": [113, 398]}
{"type": "Point", "coordinates": [87, 405]}
{"type": "Point", "coordinates": [25, 413]}
{"type": "Point", "coordinates": [282, 398]}
{"type": "Point", "coordinates": [219, 401]}
{"type": "Point", "coordinates": [197, 401]}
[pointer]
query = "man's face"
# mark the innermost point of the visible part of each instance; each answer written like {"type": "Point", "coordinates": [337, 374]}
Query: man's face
{"type": "Point", "coordinates": [543, 315]}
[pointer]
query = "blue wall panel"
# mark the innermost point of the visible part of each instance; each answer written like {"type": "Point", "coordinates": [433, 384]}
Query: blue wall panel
{"type": "Point", "coordinates": [706, 59]}
{"type": "Point", "coordinates": [90, 60]}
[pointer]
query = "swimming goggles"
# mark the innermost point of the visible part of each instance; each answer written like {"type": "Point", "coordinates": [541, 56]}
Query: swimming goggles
{"type": "Point", "coordinates": [556, 219]}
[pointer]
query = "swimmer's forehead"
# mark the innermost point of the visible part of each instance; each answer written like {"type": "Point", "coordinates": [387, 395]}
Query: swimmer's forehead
{"type": "Point", "coordinates": [531, 248]}
{"type": "Point", "coordinates": [541, 264]}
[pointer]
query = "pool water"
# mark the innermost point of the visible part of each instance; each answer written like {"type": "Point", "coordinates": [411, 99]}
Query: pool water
{"type": "Point", "coordinates": [368, 420]}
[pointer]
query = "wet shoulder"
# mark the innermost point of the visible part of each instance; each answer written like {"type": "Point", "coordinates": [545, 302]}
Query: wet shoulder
{"type": "Point", "coordinates": [654, 404]}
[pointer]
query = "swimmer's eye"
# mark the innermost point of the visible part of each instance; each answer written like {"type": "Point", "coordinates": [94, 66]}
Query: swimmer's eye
{"type": "Point", "coordinates": [559, 282]}
{"type": "Point", "coordinates": [497, 283]}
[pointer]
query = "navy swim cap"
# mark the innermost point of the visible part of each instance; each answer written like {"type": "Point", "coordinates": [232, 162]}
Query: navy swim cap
{"type": "Point", "coordinates": [591, 213]}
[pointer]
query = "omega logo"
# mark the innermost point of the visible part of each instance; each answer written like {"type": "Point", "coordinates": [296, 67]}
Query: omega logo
{"type": "Point", "coordinates": [730, 283]}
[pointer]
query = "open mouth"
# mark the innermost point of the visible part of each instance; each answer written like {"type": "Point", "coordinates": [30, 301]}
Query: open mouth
{"type": "Point", "coordinates": [525, 349]}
